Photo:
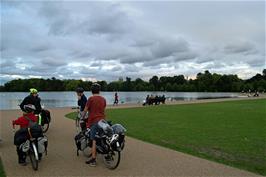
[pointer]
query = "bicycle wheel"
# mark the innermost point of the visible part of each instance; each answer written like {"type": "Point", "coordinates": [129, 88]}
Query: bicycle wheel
{"type": "Point", "coordinates": [112, 159]}
{"type": "Point", "coordinates": [33, 153]}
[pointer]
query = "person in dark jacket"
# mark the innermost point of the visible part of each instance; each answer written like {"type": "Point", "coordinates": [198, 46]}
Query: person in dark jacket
{"type": "Point", "coordinates": [33, 99]}
{"type": "Point", "coordinates": [82, 99]}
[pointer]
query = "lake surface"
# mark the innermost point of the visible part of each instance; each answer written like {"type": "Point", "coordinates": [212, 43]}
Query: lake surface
{"type": "Point", "coordinates": [11, 100]}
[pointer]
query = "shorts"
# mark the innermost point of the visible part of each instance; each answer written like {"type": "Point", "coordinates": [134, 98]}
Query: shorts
{"type": "Point", "coordinates": [93, 131]}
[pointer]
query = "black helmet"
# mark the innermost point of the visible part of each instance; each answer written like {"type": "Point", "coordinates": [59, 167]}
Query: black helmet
{"type": "Point", "coordinates": [29, 108]}
{"type": "Point", "coordinates": [79, 90]}
{"type": "Point", "coordinates": [95, 88]}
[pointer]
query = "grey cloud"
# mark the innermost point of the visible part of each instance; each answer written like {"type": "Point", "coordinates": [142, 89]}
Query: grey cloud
{"type": "Point", "coordinates": [165, 48]}
{"type": "Point", "coordinates": [214, 65]}
{"type": "Point", "coordinates": [258, 62]}
{"type": "Point", "coordinates": [53, 62]}
{"type": "Point", "coordinates": [185, 56]}
{"type": "Point", "coordinates": [87, 70]}
{"type": "Point", "coordinates": [57, 17]}
{"type": "Point", "coordinates": [239, 47]}
{"type": "Point", "coordinates": [43, 69]}
{"type": "Point", "coordinates": [83, 55]}
{"type": "Point", "coordinates": [160, 51]}
{"type": "Point", "coordinates": [6, 64]}
{"type": "Point", "coordinates": [108, 19]}
{"type": "Point", "coordinates": [136, 57]}
{"type": "Point", "coordinates": [96, 64]}
{"type": "Point", "coordinates": [65, 18]}
{"type": "Point", "coordinates": [47, 36]}
{"type": "Point", "coordinates": [116, 69]}
{"type": "Point", "coordinates": [40, 48]}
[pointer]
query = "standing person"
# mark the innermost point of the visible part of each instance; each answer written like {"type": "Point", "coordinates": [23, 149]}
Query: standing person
{"type": "Point", "coordinates": [82, 99]}
{"type": "Point", "coordinates": [32, 99]}
{"type": "Point", "coordinates": [20, 134]}
{"type": "Point", "coordinates": [96, 106]}
{"type": "Point", "coordinates": [116, 99]}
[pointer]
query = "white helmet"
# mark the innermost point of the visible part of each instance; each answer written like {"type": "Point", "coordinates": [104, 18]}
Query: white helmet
{"type": "Point", "coordinates": [29, 108]}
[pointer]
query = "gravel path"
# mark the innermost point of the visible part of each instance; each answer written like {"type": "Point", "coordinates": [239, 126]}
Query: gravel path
{"type": "Point", "coordinates": [138, 158]}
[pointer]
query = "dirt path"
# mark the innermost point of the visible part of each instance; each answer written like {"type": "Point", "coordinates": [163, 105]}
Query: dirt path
{"type": "Point", "coordinates": [138, 158]}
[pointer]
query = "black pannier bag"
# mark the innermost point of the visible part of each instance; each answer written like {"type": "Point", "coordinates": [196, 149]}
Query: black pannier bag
{"type": "Point", "coordinates": [46, 117]}
{"type": "Point", "coordinates": [20, 136]}
{"type": "Point", "coordinates": [81, 142]}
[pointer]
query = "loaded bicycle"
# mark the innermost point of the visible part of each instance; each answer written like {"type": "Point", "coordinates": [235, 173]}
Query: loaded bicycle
{"type": "Point", "coordinates": [110, 141]}
{"type": "Point", "coordinates": [30, 143]}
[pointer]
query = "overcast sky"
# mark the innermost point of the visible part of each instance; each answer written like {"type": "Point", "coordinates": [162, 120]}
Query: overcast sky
{"type": "Point", "coordinates": [107, 40]}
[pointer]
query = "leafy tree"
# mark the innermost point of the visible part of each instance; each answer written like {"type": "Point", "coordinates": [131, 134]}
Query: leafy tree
{"type": "Point", "coordinates": [155, 82]}
{"type": "Point", "coordinates": [204, 82]}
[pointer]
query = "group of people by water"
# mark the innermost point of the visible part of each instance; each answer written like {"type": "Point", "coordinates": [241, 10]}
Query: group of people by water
{"type": "Point", "coordinates": [31, 109]}
{"type": "Point", "coordinates": [256, 93]}
{"type": "Point", "coordinates": [150, 100]}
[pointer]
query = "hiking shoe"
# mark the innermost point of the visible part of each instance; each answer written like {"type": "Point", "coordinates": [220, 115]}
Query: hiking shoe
{"type": "Point", "coordinates": [91, 162]}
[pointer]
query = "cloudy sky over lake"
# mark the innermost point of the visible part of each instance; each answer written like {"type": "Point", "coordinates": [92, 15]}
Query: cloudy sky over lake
{"type": "Point", "coordinates": [107, 40]}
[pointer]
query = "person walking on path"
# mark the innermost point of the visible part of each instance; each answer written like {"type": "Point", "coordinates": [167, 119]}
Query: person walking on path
{"type": "Point", "coordinates": [116, 99]}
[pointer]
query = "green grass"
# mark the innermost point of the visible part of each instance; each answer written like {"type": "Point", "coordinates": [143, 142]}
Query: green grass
{"type": "Point", "coordinates": [2, 172]}
{"type": "Point", "coordinates": [233, 132]}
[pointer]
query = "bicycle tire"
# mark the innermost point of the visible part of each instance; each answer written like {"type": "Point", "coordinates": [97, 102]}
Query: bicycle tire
{"type": "Point", "coordinates": [115, 165]}
{"type": "Point", "coordinates": [33, 156]}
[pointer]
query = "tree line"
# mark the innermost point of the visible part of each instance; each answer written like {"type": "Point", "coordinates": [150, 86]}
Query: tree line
{"type": "Point", "coordinates": [204, 82]}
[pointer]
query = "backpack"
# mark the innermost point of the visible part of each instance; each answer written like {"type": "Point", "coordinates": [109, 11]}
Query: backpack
{"type": "Point", "coordinates": [34, 129]}
{"type": "Point", "coordinates": [20, 136]}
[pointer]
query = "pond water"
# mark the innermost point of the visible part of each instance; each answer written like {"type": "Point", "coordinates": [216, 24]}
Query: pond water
{"type": "Point", "coordinates": [11, 100]}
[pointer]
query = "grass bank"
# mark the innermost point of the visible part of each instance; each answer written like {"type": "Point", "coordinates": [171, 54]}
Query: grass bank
{"type": "Point", "coordinates": [2, 172]}
{"type": "Point", "coordinates": [232, 133]}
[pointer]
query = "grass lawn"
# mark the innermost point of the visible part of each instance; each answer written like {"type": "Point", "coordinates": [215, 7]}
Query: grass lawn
{"type": "Point", "coordinates": [2, 172]}
{"type": "Point", "coordinates": [233, 132]}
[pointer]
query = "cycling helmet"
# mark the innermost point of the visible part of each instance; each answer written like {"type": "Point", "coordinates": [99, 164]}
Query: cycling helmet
{"type": "Point", "coordinates": [95, 88]}
{"type": "Point", "coordinates": [79, 90]}
{"type": "Point", "coordinates": [33, 91]}
{"type": "Point", "coordinates": [29, 108]}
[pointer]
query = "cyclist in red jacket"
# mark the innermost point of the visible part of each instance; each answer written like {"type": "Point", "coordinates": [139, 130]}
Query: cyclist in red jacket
{"type": "Point", "coordinates": [20, 134]}
{"type": "Point", "coordinates": [22, 121]}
